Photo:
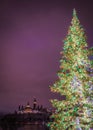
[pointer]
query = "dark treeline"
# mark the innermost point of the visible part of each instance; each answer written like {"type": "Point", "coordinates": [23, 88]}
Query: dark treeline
{"type": "Point", "coordinates": [14, 121]}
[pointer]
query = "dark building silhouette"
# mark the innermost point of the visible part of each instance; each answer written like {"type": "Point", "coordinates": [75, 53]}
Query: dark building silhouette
{"type": "Point", "coordinates": [36, 108]}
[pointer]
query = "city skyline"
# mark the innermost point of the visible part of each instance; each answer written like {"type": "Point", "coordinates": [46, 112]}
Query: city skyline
{"type": "Point", "coordinates": [31, 38]}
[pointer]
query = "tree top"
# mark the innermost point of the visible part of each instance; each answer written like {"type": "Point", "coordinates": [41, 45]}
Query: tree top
{"type": "Point", "coordinates": [75, 20]}
{"type": "Point", "coordinates": [74, 12]}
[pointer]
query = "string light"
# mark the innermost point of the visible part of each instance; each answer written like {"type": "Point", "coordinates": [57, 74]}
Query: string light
{"type": "Point", "coordinates": [75, 82]}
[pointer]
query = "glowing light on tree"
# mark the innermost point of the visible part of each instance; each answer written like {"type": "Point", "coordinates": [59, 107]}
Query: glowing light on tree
{"type": "Point", "coordinates": [75, 82]}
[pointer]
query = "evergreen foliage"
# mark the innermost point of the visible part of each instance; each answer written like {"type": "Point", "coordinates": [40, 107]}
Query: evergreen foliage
{"type": "Point", "coordinates": [75, 82]}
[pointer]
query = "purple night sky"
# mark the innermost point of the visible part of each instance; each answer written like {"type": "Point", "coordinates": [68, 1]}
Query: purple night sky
{"type": "Point", "coordinates": [31, 34]}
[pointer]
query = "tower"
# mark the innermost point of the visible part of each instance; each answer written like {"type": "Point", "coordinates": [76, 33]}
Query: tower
{"type": "Point", "coordinates": [34, 104]}
{"type": "Point", "coordinates": [27, 108]}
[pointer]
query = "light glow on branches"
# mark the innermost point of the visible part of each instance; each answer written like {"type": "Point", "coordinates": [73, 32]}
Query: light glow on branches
{"type": "Point", "coordinates": [75, 82]}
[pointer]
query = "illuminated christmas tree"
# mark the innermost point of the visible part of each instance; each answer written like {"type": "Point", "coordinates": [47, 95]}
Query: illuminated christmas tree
{"type": "Point", "coordinates": [75, 82]}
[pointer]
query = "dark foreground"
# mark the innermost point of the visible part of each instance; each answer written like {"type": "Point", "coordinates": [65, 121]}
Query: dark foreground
{"type": "Point", "coordinates": [24, 122]}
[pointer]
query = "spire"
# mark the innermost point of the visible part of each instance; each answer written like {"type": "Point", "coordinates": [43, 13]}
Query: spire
{"type": "Point", "coordinates": [28, 103]}
{"type": "Point", "coordinates": [34, 103]}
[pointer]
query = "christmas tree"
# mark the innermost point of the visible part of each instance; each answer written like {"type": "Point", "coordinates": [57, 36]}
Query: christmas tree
{"type": "Point", "coordinates": [75, 82]}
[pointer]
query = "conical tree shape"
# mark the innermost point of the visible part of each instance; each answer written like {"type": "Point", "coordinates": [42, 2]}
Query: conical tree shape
{"type": "Point", "coordinates": [74, 81]}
